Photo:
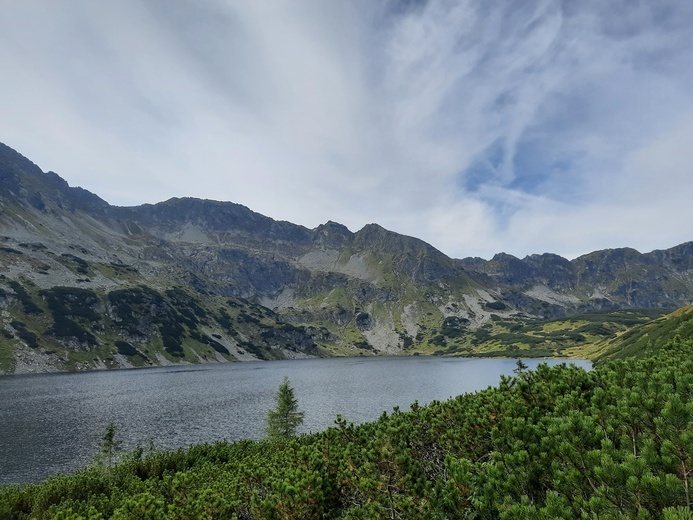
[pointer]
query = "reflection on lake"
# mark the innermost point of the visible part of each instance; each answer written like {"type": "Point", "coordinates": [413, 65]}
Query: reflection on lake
{"type": "Point", "coordinates": [52, 423]}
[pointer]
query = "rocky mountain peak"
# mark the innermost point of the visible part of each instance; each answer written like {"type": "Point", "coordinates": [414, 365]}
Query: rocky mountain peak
{"type": "Point", "coordinates": [25, 184]}
{"type": "Point", "coordinates": [546, 259]}
{"type": "Point", "coordinates": [333, 234]}
{"type": "Point", "coordinates": [376, 238]}
{"type": "Point", "coordinates": [184, 218]}
{"type": "Point", "coordinates": [679, 258]}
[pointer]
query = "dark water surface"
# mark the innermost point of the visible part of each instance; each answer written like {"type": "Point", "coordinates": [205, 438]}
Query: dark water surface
{"type": "Point", "coordinates": [52, 423]}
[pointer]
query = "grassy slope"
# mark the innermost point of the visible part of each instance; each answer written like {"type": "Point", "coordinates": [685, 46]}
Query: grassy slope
{"type": "Point", "coordinates": [644, 338]}
{"type": "Point", "coordinates": [580, 336]}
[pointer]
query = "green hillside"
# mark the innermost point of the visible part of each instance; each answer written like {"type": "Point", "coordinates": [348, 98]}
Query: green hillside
{"type": "Point", "coordinates": [114, 316]}
{"type": "Point", "coordinates": [80, 328]}
{"type": "Point", "coordinates": [580, 336]}
{"type": "Point", "coordinates": [649, 337]}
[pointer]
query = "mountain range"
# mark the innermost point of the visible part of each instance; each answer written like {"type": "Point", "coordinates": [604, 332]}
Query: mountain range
{"type": "Point", "coordinates": [87, 285]}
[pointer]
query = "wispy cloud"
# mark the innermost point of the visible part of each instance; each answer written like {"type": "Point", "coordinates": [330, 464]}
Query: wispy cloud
{"type": "Point", "coordinates": [477, 126]}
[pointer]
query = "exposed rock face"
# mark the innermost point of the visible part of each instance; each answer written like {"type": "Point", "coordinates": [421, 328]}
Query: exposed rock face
{"type": "Point", "coordinates": [334, 287]}
{"type": "Point", "coordinates": [611, 278]}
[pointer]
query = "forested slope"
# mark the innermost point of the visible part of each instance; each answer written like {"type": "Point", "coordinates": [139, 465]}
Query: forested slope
{"type": "Point", "coordinates": [615, 442]}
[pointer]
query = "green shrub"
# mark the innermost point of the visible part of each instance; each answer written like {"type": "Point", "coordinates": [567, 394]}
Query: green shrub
{"type": "Point", "coordinates": [65, 328]}
{"type": "Point", "coordinates": [555, 442]}
{"type": "Point", "coordinates": [26, 335]}
{"type": "Point", "coordinates": [82, 266]}
{"type": "Point", "coordinates": [126, 349]}
{"type": "Point", "coordinates": [27, 303]}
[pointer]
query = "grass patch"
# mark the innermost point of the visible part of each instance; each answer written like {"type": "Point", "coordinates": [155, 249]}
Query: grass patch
{"type": "Point", "coordinates": [7, 361]}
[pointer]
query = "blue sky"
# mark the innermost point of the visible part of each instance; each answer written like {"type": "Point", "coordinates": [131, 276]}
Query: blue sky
{"type": "Point", "coordinates": [480, 127]}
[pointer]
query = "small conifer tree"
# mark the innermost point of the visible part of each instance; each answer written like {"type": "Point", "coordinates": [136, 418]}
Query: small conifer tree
{"type": "Point", "coordinates": [109, 447]}
{"type": "Point", "coordinates": [520, 367]}
{"type": "Point", "coordinates": [283, 420]}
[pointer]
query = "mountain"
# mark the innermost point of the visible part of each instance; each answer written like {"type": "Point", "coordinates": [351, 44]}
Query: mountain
{"type": "Point", "coordinates": [84, 284]}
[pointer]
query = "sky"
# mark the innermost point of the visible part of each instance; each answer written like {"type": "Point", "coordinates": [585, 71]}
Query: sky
{"type": "Point", "coordinates": [480, 127]}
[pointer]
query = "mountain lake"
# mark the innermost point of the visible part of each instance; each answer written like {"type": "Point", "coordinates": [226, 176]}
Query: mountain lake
{"type": "Point", "coordinates": [52, 423]}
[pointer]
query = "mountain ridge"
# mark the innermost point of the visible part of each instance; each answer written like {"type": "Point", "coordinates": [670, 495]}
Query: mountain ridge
{"type": "Point", "coordinates": [364, 292]}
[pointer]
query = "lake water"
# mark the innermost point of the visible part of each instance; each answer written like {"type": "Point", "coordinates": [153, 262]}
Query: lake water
{"type": "Point", "coordinates": [52, 423]}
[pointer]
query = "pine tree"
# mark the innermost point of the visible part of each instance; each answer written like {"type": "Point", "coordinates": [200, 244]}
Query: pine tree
{"type": "Point", "coordinates": [109, 446]}
{"type": "Point", "coordinates": [285, 418]}
{"type": "Point", "coordinates": [520, 367]}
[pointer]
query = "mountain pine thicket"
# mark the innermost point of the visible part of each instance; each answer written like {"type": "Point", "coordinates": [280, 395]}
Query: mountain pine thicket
{"type": "Point", "coordinates": [552, 443]}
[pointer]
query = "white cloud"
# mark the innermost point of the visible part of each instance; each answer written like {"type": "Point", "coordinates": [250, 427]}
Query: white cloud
{"type": "Point", "coordinates": [479, 127]}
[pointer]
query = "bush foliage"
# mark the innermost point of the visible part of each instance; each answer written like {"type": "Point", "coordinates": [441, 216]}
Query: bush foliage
{"type": "Point", "coordinates": [554, 443]}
